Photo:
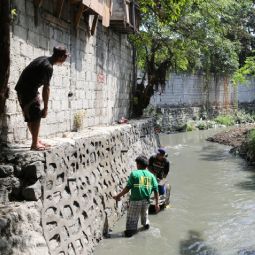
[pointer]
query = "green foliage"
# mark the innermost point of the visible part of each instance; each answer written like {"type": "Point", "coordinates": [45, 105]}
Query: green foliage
{"type": "Point", "coordinates": [241, 75]}
{"type": "Point", "coordinates": [202, 125]}
{"type": "Point", "coordinates": [251, 140]}
{"type": "Point", "coordinates": [211, 124]}
{"type": "Point", "coordinates": [163, 11]}
{"type": "Point", "coordinates": [194, 36]}
{"type": "Point", "coordinates": [13, 12]}
{"type": "Point", "coordinates": [189, 126]}
{"type": "Point", "coordinates": [227, 120]}
{"type": "Point", "coordinates": [78, 119]}
{"type": "Point", "coordinates": [208, 36]}
{"type": "Point", "coordinates": [239, 117]}
{"type": "Point", "coordinates": [243, 117]}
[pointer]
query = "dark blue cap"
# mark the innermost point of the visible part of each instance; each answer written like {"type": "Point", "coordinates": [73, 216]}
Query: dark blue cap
{"type": "Point", "coordinates": [162, 151]}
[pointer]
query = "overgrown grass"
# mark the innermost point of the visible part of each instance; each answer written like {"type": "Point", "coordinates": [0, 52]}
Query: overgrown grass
{"type": "Point", "coordinates": [243, 117]}
{"type": "Point", "coordinates": [239, 117]}
{"type": "Point", "coordinates": [189, 126]}
{"type": "Point", "coordinates": [227, 120]}
{"type": "Point", "coordinates": [251, 140]}
{"type": "Point", "coordinates": [202, 125]}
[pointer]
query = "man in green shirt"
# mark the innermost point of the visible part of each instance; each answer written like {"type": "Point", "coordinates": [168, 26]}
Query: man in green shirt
{"type": "Point", "coordinates": [141, 182]}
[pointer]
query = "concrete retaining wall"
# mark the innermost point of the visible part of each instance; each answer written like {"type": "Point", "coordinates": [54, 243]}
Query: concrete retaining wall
{"type": "Point", "coordinates": [72, 186]}
{"type": "Point", "coordinates": [94, 84]}
{"type": "Point", "coordinates": [190, 90]}
{"type": "Point", "coordinates": [186, 97]}
{"type": "Point", "coordinates": [246, 93]}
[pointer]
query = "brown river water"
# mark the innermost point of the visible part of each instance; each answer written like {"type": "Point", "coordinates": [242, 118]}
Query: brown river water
{"type": "Point", "coordinates": [212, 209]}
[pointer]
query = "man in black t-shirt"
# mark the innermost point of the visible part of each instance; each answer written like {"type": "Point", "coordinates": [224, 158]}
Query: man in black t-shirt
{"type": "Point", "coordinates": [159, 166]}
{"type": "Point", "coordinates": [38, 73]}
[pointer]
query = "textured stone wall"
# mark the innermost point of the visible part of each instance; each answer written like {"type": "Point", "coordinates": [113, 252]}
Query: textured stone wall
{"type": "Point", "coordinates": [93, 84]}
{"type": "Point", "coordinates": [175, 118]}
{"type": "Point", "coordinates": [73, 184]}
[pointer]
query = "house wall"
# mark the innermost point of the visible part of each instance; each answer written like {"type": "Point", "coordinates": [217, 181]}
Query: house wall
{"type": "Point", "coordinates": [94, 84]}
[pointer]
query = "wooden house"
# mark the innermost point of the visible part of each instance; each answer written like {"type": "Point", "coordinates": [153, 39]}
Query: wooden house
{"type": "Point", "coordinates": [120, 15]}
{"type": "Point", "coordinates": [125, 16]}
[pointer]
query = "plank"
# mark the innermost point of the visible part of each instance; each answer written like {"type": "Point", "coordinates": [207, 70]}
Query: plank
{"type": "Point", "coordinates": [94, 24]}
{"type": "Point", "coordinates": [60, 5]}
{"type": "Point", "coordinates": [78, 15]}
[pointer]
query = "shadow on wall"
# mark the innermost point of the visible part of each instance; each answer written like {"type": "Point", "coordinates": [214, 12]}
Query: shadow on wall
{"type": "Point", "coordinates": [110, 65]}
{"type": "Point", "coordinates": [3, 131]}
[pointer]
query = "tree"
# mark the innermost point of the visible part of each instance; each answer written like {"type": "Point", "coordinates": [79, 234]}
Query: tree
{"type": "Point", "coordinates": [153, 43]}
{"type": "Point", "coordinates": [192, 36]}
{"type": "Point", "coordinates": [247, 70]}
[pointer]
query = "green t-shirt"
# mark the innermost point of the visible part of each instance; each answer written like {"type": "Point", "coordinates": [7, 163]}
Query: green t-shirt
{"type": "Point", "coordinates": [141, 183]}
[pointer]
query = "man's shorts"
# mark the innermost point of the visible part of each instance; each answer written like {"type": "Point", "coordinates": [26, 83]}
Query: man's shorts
{"type": "Point", "coordinates": [31, 110]}
{"type": "Point", "coordinates": [135, 210]}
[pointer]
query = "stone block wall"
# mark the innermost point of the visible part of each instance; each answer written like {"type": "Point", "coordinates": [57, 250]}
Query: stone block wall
{"type": "Point", "coordinates": [72, 185]}
{"type": "Point", "coordinates": [175, 118]}
{"type": "Point", "coordinates": [94, 84]}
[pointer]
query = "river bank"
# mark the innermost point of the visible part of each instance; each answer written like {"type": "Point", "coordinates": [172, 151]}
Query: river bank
{"type": "Point", "coordinates": [236, 137]}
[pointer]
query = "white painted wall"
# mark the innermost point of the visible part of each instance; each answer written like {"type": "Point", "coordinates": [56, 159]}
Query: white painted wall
{"type": "Point", "coordinates": [190, 90]}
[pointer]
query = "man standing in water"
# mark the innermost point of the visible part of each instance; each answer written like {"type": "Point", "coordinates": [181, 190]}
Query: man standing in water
{"type": "Point", "coordinates": [159, 166]}
{"type": "Point", "coordinates": [141, 182]}
{"type": "Point", "coordinates": [38, 73]}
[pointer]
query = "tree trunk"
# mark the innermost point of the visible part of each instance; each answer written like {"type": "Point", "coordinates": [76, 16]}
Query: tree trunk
{"type": "Point", "coordinates": [4, 52]}
{"type": "Point", "coordinates": [142, 98]}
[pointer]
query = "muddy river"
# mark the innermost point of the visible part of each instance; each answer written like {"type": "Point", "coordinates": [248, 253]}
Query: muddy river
{"type": "Point", "coordinates": [212, 209]}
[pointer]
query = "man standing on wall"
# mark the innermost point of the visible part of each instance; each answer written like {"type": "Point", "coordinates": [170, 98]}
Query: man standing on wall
{"type": "Point", "coordinates": [38, 73]}
{"type": "Point", "coordinates": [141, 182]}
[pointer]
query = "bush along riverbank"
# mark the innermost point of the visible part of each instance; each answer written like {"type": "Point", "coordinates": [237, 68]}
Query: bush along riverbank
{"type": "Point", "coordinates": [186, 119]}
{"type": "Point", "coordinates": [241, 139]}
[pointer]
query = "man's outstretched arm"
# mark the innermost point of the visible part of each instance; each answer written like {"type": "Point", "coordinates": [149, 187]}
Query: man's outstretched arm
{"type": "Point", "coordinates": [121, 194]}
{"type": "Point", "coordinates": [45, 96]}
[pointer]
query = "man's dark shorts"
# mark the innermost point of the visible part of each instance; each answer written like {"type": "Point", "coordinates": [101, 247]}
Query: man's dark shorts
{"type": "Point", "coordinates": [31, 110]}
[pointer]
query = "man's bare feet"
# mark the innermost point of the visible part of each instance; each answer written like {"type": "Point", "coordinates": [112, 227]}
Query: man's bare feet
{"type": "Point", "coordinates": [38, 148]}
{"type": "Point", "coordinates": [44, 144]}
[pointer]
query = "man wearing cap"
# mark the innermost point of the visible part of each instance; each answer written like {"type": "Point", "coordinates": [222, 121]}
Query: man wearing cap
{"type": "Point", "coordinates": [141, 182]}
{"type": "Point", "coordinates": [38, 73]}
{"type": "Point", "coordinates": [159, 166]}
